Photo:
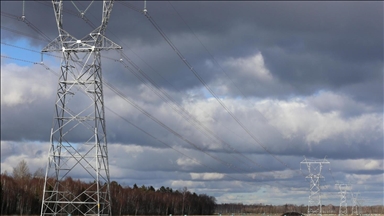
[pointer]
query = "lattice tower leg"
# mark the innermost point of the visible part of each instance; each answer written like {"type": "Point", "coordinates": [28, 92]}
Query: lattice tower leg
{"type": "Point", "coordinates": [78, 136]}
{"type": "Point", "coordinates": [78, 142]}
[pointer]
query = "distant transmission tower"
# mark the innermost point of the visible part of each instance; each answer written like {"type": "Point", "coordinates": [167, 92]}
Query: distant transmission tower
{"type": "Point", "coordinates": [343, 210]}
{"type": "Point", "coordinates": [78, 135]}
{"type": "Point", "coordinates": [355, 210]}
{"type": "Point", "coordinates": [314, 170]}
{"type": "Point", "coordinates": [360, 203]}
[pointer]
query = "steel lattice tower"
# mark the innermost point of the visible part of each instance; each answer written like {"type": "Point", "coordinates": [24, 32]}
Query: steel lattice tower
{"type": "Point", "coordinates": [78, 135]}
{"type": "Point", "coordinates": [314, 199]}
{"type": "Point", "coordinates": [360, 203]}
{"type": "Point", "coordinates": [343, 209]}
{"type": "Point", "coordinates": [355, 210]}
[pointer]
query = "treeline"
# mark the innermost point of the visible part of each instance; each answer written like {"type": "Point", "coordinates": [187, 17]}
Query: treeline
{"type": "Point", "coordinates": [164, 201]}
{"type": "Point", "coordinates": [239, 208]}
{"type": "Point", "coordinates": [21, 193]}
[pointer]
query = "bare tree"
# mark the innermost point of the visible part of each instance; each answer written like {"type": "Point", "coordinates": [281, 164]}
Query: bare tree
{"type": "Point", "coordinates": [21, 171]}
{"type": "Point", "coordinates": [184, 190]}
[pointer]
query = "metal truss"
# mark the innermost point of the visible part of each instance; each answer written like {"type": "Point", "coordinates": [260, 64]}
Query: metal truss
{"type": "Point", "coordinates": [314, 170]}
{"type": "Point", "coordinates": [78, 135]}
{"type": "Point", "coordinates": [360, 203]}
{"type": "Point", "coordinates": [355, 209]}
{"type": "Point", "coordinates": [343, 209]}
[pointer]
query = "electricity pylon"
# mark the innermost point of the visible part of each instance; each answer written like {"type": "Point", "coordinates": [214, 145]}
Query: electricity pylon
{"type": "Point", "coordinates": [355, 210]}
{"type": "Point", "coordinates": [314, 170]}
{"type": "Point", "coordinates": [343, 210]}
{"type": "Point", "coordinates": [360, 203]}
{"type": "Point", "coordinates": [78, 135]}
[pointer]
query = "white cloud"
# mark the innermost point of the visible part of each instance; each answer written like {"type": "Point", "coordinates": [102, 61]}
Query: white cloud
{"type": "Point", "coordinates": [252, 67]}
{"type": "Point", "coordinates": [24, 85]}
{"type": "Point", "coordinates": [327, 101]}
{"type": "Point", "coordinates": [206, 176]}
{"type": "Point", "coordinates": [296, 117]}
{"type": "Point", "coordinates": [363, 179]}
{"type": "Point", "coordinates": [361, 164]}
{"type": "Point", "coordinates": [186, 163]}
{"type": "Point", "coordinates": [35, 154]}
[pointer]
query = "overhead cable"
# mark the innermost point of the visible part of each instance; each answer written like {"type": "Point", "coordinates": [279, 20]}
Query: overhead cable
{"type": "Point", "coordinates": [26, 21]}
{"type": "Point", "coordinates": [211, 91]}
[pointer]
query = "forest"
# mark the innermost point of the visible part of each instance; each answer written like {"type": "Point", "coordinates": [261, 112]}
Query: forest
{"type": "Point", "coordinates": [22, 192]}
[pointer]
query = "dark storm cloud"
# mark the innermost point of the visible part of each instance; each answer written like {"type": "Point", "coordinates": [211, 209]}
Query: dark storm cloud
{"type": "Point", "coordinates": [35, 124]}
{"type": "Point", "coordinates": [341, 50]}
{"type": "Point", "coordinates": [342, 41]}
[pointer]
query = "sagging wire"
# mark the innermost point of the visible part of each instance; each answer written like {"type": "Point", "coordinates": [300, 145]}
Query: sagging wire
{"type": "Point", "coordinates": [157, 27]}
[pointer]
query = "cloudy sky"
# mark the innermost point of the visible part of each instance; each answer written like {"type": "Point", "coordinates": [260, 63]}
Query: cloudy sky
{"type": "Point", "coordinates": [271, 82]}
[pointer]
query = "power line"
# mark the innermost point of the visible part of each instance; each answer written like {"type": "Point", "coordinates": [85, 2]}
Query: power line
{"type": "Point", "coordinates": [21, 33]}
{"type": "Point", "coordinates": [171, 130]}
{"type": "Point", "coordinates": [182, 111]}
{"type": "Point", "coordinates": [38, 63]}
{"type": "Point", "coordinates": [195, 120]}
{"type": "Point", "coordinates": [71, 12]}
{"type": "Point", "coordinates": [152, 21]}
{"type": "Point", "coordinates": [157, 121]}
{"type": "Point", "coordinates": [36, 29]}
{"type": "Point", "coordinates": [165, 126]}
{"type": "Point", "coordinates": [143, 81]}
{"type": "Point", "coordinates": [219, 66]}
{"type": "Point", "coordinates": [26, 21]}
{"type": "Point", "coordinates": [205, 48]}
{"type": "Point", "coordinates": [147, 114]}
{"type": "Point", "coordinates": [18, 59]}
{"type": "Point", "coordinates": [23, 48]}
{"type": "Point", "coordinates": [180, 152]}
{"type": "Point", "coordinates": [130, 6]}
